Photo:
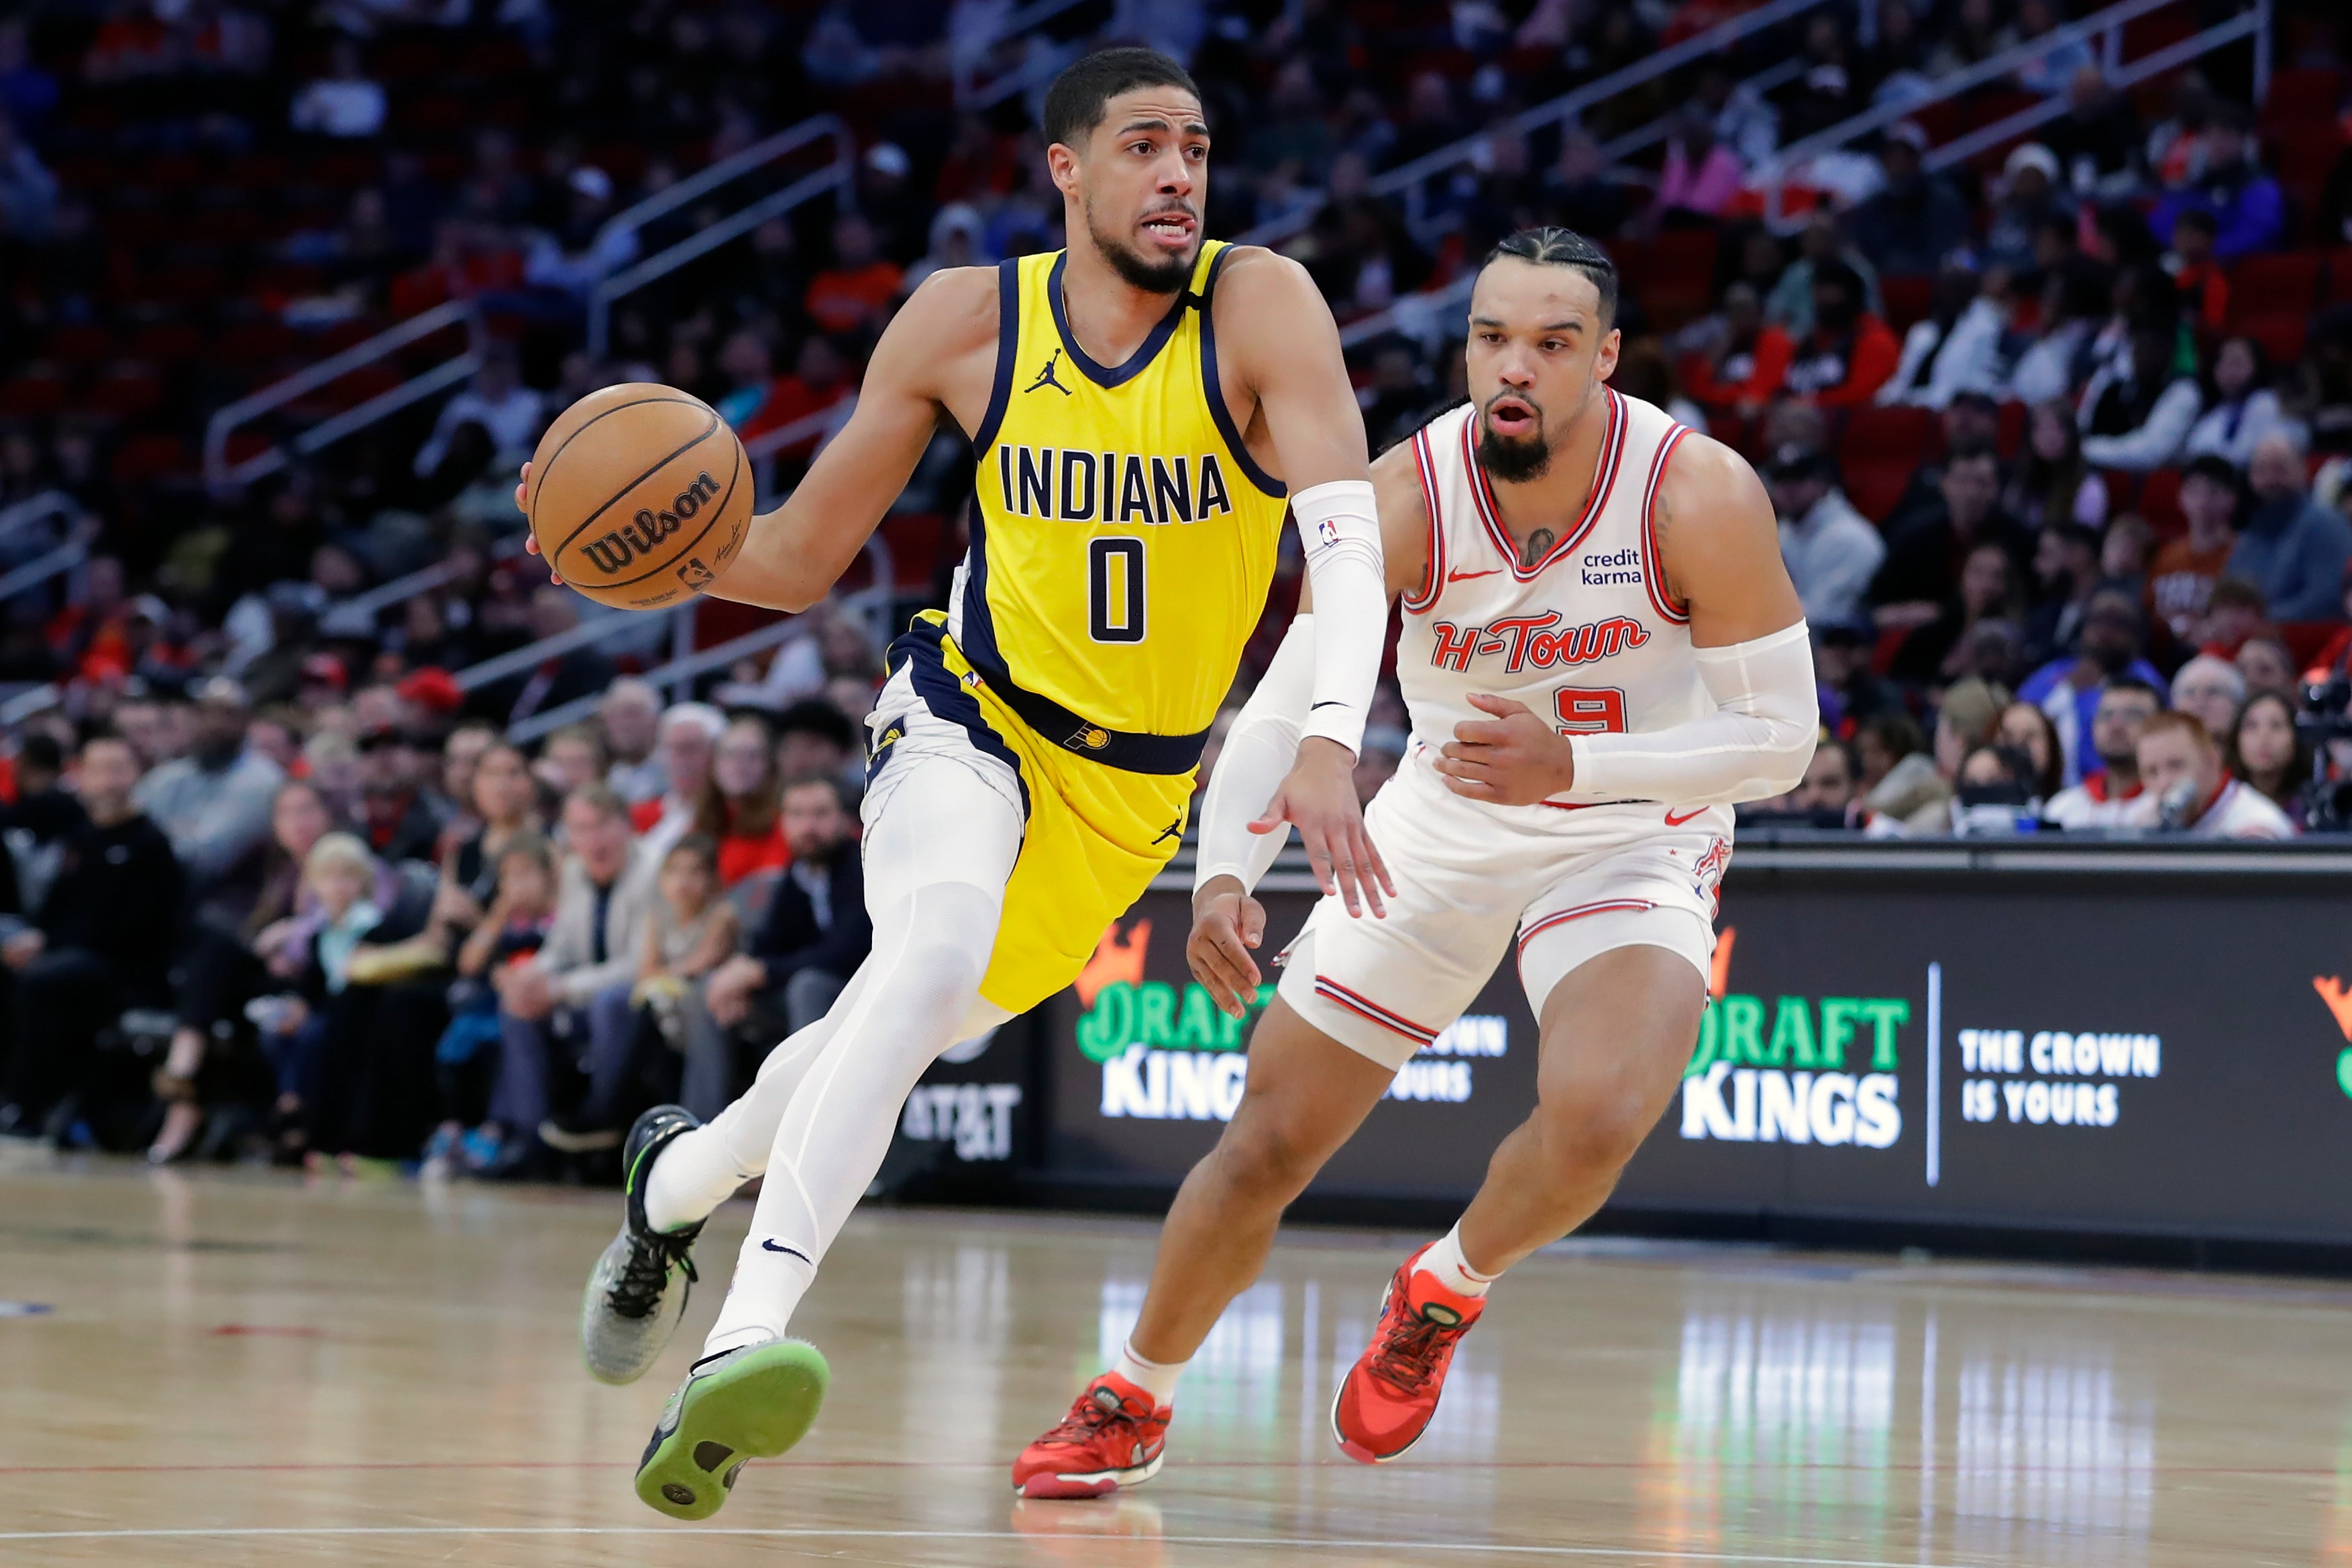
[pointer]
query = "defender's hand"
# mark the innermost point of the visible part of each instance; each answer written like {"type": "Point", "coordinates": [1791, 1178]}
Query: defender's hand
{"type": "Point", "coordinates": [1319, 795]}
{"type": "Point", "coordinates": [1226, 924]}
{"type": "Point", "coordinates": [522, 505]}
{"type": "Point", "coordinates": [1512, 760]}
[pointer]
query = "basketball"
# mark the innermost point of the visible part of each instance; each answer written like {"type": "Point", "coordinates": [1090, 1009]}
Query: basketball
{"type": "Point", "coordinates": [639, 495]}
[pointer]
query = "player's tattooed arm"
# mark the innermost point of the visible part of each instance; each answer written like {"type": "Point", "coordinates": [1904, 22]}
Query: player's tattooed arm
{"type": "Point", "coordinates": [1719, 547]}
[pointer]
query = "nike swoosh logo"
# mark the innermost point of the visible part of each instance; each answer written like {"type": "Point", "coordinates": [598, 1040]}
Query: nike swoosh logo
{"type": "Point", "coordinates": [1675, 821]}
{"type": "Point", "coordinates": [769, 1244]}
{"type": "Point", "coordinates": [1466, 576]}
{"type": "Point", "coordinates": [1329, 702]}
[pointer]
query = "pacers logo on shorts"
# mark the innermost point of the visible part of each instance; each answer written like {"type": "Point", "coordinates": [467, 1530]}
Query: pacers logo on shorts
{"type": "Point", "coordinates": [1091, 738]}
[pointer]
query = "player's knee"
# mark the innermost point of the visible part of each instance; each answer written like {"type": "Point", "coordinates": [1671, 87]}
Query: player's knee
{"type": "Point", "coordinates": [1258, 1154]}
{"type": "Point", "coordinates": [1592, 1132]}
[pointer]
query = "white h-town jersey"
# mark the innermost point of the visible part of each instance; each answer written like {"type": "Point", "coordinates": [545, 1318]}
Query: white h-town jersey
{"type": "Point", "coordinates": [1586, 637]}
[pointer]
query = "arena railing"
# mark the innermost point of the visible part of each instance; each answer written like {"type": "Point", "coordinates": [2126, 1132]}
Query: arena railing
{"type": "Point", "coordinates": [1773, 177]}
{"type": "Point", "coordinates": [675, 675]}
{"type": "Point", "coordinates": [823, 425]}
{"type": "Point", "coordinates": [220, 472]}
{"type": "Point", "coordinates": [1042, 56]}
{"type": "Point", "coordinates": [1411, 180]}
{"type": "Point", "coordinates": [838, 176]}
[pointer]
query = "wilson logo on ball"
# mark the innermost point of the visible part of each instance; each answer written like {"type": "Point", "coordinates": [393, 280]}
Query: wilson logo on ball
{"type": "Point", "coordinates": [642, 533]}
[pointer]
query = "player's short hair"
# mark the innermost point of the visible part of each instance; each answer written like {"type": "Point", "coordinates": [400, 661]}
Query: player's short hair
{"type": "Point", "coordinates": [1554, 246]}
{"type": "Point", "coordinates": [2188, 724]}
{"type": "Point", "coordinates": [1075, 103]}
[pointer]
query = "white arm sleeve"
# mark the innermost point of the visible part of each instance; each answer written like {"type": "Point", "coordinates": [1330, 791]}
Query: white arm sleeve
{"type": "Point", "coordinates": [1257, 757]}
{"type": "Point", "coordinates": [1338, 526]}
{"type": "Point", "coordinates": [1755, 745]}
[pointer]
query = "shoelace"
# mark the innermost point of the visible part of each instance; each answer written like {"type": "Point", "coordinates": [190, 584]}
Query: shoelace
{"type": "Point", "coordinates": [1411, 1351]}
{"type": "Point", "coordinates": [645, 1275]}
{"type": "Point", "coordinates": [1090, 1416]}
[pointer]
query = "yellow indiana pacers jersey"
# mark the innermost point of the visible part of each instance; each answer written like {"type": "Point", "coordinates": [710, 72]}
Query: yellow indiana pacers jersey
{"type": "Point", "coordinates": [1122, 538]}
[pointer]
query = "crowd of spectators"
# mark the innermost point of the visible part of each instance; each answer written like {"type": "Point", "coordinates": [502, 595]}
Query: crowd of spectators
{"type": "Point", "coordinates": [217, 941]}
{"type": "Point", "coordinates": [2059, 438]}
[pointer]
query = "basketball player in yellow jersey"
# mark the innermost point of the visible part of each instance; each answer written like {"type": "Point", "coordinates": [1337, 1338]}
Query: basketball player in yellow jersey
{"type": "Point", "coordinates": [1143, 407]}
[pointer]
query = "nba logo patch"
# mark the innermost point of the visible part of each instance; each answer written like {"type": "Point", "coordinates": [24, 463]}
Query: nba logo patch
{"type": "Point", "coordinates": [1328, 531]}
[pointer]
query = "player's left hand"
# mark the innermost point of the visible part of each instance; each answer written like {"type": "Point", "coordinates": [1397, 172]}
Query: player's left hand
{"type": "Point", "coordinates": [1319, 795]}
{"type": "Point", "coordinates": [522, 505]}
{"type": "Point", "coordinates": [1512, 760]}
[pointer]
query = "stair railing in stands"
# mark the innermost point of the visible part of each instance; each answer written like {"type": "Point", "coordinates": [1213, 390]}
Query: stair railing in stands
{"type": "Point", "coordinates": [838, 176]}
{"type": "Point", "coordinates": [1773, 177]}
{"type": "Point", "coordinates": [1412, 179]}
{"type": "Point", "coordinates": [219, 471]}
{"type": "Point", "coordinates": [1042, 56]}
{"type": "Point", "coordinates": [677, 675]}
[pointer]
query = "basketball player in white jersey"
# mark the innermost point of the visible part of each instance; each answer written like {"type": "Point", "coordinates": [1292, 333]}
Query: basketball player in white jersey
{"type": "Point", "coordinates": [1601, 653]}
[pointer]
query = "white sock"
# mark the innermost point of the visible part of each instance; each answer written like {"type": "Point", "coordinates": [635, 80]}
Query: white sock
{"type": "Point", "coordinates": [1445, 1260]}
{"type": "Point", "coordinates": [1157, 1378]}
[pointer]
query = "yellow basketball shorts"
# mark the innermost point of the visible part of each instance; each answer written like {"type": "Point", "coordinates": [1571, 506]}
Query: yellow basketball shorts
{"type": "Point", "coordinates": [1094, 836]}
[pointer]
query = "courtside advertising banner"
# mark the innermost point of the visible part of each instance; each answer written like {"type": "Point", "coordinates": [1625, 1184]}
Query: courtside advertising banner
{"type": "Point", "coordinates": [2159, 1054]}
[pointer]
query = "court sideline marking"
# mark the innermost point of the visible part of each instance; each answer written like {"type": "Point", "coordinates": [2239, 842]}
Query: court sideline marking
{"type": "Point", "coordinates": [1260, 1544]}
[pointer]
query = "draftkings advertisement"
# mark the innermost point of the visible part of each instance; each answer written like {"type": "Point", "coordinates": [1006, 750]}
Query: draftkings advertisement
{"type": "Point", "coordinates": [2166, 1054]}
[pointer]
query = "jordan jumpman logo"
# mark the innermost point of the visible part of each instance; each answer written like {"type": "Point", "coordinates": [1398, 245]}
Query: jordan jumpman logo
{"type": "Point", "coordinates": [1045, 377]}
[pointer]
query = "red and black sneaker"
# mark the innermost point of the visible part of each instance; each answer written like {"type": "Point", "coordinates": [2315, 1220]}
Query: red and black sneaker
{"type": "Point", "coordinates": [1388, 1396]}
{"type": "Point", "coordinates": [1114, 1436]}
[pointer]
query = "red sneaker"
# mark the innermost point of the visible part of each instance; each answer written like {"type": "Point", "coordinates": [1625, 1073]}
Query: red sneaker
{"type": "Point", "coordinates": [1113, 1437]}
{"type": "Point", "coordinates": [1388, 1396]}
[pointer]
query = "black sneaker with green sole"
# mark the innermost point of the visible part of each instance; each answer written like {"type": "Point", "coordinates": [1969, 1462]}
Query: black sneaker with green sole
{"type": "Point", "coordinates": [743, 1405]}
{"type": "Point", "coordinates": [637, 1291]}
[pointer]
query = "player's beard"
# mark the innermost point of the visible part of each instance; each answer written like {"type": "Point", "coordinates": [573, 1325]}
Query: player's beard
{"type": "Point", "coordinates": [1138, 271]}
{"type": "Point", "coordinates": [1513, 459]}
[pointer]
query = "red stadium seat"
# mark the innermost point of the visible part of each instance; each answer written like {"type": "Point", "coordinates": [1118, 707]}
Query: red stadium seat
{"type": "Point", "coordinates": [1874, 486]}
{"type": "Point", "coordinates": [2339, 273]}
{"type": "Point", "coordinates": [144, 458]}
{"type": "Point", "coordinates": [2277, 285]}
{"type": "Point", "coordinates": [76, 344]}
{"type": "Point", "coordinates": [2281, 337]}
{"type": "Point", "coordinates": [121, 393]}
{"type": "Point", "coordinates": [2302, 94]}
{"type": "Point", "coordinates": [31, 396]}
{"type": "Point", "coordinates": [1910, 435]}
{"type": "Point", "coordinates": [2160, 503]}
{"type": "Point", "coordinates": [2010, 434]}
{"type": "Point", "coordinates": [1907, 300]}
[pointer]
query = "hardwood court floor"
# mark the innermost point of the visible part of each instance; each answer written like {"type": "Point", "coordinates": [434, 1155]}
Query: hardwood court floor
{"type": "Point", "coordinates": [239, 1369]}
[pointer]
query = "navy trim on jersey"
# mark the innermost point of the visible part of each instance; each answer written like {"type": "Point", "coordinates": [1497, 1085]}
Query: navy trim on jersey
{"type": "Point", "coordinates": [1215, 390]}
{"type": "Point", "coordinates": [1008, 347]}
{"type": "Point", "coordinates": [1138, 361]}
{"type": "Point", "coordinates": [918, 646]}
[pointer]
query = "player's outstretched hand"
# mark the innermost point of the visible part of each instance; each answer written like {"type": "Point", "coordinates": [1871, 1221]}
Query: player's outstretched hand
{"type": "Point", "coordinates": [1227, 923]}
{"type": "Point", "coordinates": [522, 505]}
{"type": "Point", "coordinates": [1512, 759]}
{"type": "Point", "coordinates": [1319, 795]}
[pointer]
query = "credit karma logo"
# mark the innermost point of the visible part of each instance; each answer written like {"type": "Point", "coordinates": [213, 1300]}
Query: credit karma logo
{"type": "Point", "coordinates": [1800, 1070]}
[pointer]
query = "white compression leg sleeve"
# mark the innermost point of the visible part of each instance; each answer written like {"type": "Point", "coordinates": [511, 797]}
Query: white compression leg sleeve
{"type": "Point", "coordinates": [702, 1169]}
{"type": "Point", "coordinates": [937, 859]}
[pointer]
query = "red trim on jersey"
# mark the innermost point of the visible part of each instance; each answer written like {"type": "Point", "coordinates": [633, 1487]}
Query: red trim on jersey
{"type": "Point", "coordinates": [1605, 479]}
{"type": "Point", "coordinates": [1433, 581]}
{"type": "Point", "coordinates": [1330, 990]}
{"type": "Point", "coordinates": [1653, 570]}
{"type": "Point", "coordinates": [1579, 913]}
{"type": "Point", "coordinates": [2095, 787]}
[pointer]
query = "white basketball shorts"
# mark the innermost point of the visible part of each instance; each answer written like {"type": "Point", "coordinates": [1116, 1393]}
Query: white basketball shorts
{"type": "Point", "coordinates": [1475, 883]}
